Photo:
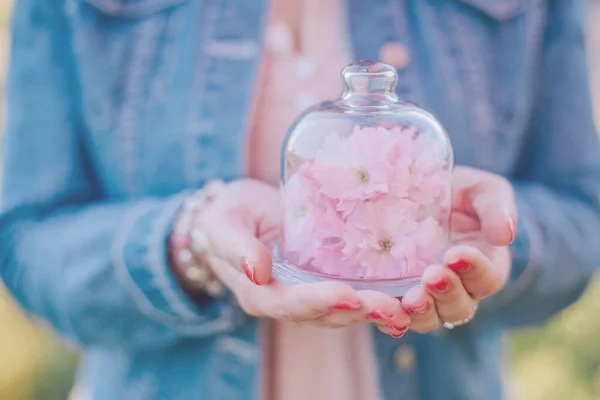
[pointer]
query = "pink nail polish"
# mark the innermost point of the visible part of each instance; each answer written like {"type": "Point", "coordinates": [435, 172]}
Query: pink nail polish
{"type": "Point", "coordinates": [397, 329]}
{"type": "Point", "coordinates": [249, 270]}
{"type": "Point", "coordinates": [422, 309]}
{"type": "Point", "coordinates": [346, 306]}
{"type": "Point", "coordinates": [441, 285]}
{"type": "Point", "coordinates": [379, 316]}
{"type": "Point", "coordinates": [181, 241]}
{"type": "Point", "coordinates": [459, 266]}
{"type": "Point", "coordinates": [513, 230]}
{"type": "Point", "coordinates": [396, 334]}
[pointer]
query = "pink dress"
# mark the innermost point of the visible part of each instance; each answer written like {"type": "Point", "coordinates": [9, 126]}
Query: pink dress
{"type": "Point", "coordinates": [306, 50]}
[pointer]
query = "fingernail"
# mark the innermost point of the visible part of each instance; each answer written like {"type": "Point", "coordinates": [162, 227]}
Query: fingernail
{"type": "Point", "coordinates": [346, 306]}
{"type": "Point", "coordinates": [440, 286]}
{"type": "Point", "coordinates": [513, 230]}
{"type": "Point", "coordinates": [398, 329]}
{"type": "Point", "coordinates": [249, 270]}
{"type": "Point", "coordinates": [459, 266]}
{"type": "Point", "coordinates": [398, 333]}
{"type": "Point", "coordinates": [379, 316]}
{"type": "Point", "coordinates": [422, 309]}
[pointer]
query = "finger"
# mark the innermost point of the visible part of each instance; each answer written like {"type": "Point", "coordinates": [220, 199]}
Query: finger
{"type": "Point", "coordinates": [452, 301]}
{"type": "Point", "coordinates": [307, 302]}
{"type": "Point", "coordinates": [420, 305]}
{"type": "Point", "coordinates": [338, 319]}
{"type": "Point", "coordinates": [236, 223]}
{"type": "Point", "coordinates": [491, 198]}
{"type": "Point", "coordinates": [235, 242]}
{"type": "Point", "coordinates": [384, 310]}
{"type": "Point", "coordinates": [295, 303]}
{"type": "Point", "coordinates": [376, 307]}
{"type": "Point", "coordinates": [262, 201]}
{"type": "Point", "coordinates": [323, 324]}
{"type": "Point", "coordinates": [392, 331]}
{"type": "Point", "coordinates": [478, 275]}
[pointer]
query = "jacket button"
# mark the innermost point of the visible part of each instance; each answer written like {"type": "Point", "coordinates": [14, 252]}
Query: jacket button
{"type": "Point", "coordinates": [395, 54]}
{"type": "Point", "coordinates": [405, 358]}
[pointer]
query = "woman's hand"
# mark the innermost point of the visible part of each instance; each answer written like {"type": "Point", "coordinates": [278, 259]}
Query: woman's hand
{"type": "Point", "coordinates": [244, 217]}
{"type": "Point", "coordinates": [482, 224]}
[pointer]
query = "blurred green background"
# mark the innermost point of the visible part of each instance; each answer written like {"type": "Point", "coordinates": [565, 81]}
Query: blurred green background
{"type": "Point", "coordinates": [558, 361]}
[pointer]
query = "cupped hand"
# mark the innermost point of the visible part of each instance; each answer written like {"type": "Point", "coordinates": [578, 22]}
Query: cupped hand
{"type": "Point", "coordinates": [482, 225]}
{"type": "Point", "coordinates": [239, 223]}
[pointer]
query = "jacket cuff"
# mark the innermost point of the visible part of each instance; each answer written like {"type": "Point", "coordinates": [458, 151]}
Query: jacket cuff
{"type": "Point", "coordinates": [141, 260]}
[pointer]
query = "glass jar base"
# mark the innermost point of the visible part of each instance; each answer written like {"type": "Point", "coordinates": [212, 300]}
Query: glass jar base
{"type": "Point", "coordinates": [285, 271]}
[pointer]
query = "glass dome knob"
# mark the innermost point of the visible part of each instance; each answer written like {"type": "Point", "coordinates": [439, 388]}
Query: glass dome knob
{"type": "Point", "coordinates": [369, 77]}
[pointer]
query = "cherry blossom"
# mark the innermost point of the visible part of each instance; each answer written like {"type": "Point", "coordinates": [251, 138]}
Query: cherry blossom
{"type": "Point", "coordinates": [353, 168]}
{"type": "Point", "coordinates": [369, 205]}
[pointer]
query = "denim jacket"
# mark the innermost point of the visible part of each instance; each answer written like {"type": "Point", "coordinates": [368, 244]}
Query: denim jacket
{"type": "Point", "coordinates": [116, 108]}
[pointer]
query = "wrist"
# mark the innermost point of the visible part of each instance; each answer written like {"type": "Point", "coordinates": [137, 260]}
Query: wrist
{"type": "Point", "coordinates": [188, 249]}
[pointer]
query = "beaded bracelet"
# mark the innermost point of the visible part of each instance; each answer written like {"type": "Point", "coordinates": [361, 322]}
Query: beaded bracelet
{"type": "Point", "coordinates": [189, 246]}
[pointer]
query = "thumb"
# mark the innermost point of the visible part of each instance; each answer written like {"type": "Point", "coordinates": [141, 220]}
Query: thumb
{"type": "Point", "coordinates": [491, 198]}
{"type": "Point", "coordinates": [241, 221]}
{"type": "Point", "coordinates": [237, 244]}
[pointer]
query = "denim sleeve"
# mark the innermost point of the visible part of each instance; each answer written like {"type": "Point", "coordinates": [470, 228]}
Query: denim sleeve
{"type": "Point", "coordinates": [95, 269]}
{"type": "Point", "coordinates": [557, 248]}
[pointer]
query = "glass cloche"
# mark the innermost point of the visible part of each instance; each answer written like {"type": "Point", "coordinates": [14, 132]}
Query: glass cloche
{"type": "Point", "coordinates": [366, 186]}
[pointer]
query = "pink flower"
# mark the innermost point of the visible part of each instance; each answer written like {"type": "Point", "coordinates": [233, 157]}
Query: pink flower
{"type": "Point", "coordinates": [353, 168]}
{"type": "Point", "coordinates": [330, 223]}
{"type": "Point", "coordinates": [405, 144]}
{"type": "Point", "coordinates": [300, 200]}
{"type": "Point", "coordinates": [377, 236]}
{"type": "Point", "coordinates": [430, 241]}
{"type": "Point", "coordinates": [368, 206]}
{"type": "Point", "coordinates": [419, 173]}
{"type": "Point", "coordinates": [329, 259]}
{"type": "Point", "coordinates": [428, 180]}
{"type": "Point", "coordinates": [400, 180]}
{"type": "Point", "coordinates": [310, 217]}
